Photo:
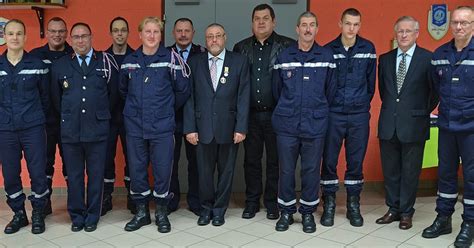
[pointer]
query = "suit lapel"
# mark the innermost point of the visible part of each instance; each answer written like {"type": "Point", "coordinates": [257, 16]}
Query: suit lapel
{"type": "Point", "coordinates": [205, 64]}
{"type": "Point", "coordinates": [392, 70]}
{"type": "Point", "coordinates": [227, 61]}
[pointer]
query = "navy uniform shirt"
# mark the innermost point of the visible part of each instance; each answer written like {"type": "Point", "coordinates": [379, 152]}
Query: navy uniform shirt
{"type": "Point", "coordinates": [304, 84]}
{"type": "Point", "coordinates": [355, 75]}
{"type": "Point", "coordinates": [453, 77]}
{"type": "Point", "coordinates": [117, 109]}
{"type": "Point", "coordinates": [84, 99]}
{"type": "Point", "coordinates": [24, 96]}
{"type": "Point", "coordinates": [153, 88]}
{"type": "Point", "coordinates": [48, 57]}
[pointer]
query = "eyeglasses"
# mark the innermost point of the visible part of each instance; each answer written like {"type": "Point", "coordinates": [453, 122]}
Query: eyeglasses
{"type": "Point", "coordinates": [463, 24]}
{"type": "Point", "coordinates": [116, 30]}
{"type": "Point", "coordinates": [81, 37]}
{"type": "Point", "coordinates": [217, 36]}
{"type": "Point", "coordinates": [407, 32]}
{"type": "Point", "coordinates": [60, 31]}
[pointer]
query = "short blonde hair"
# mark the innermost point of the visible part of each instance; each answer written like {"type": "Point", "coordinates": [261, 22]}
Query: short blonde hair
{"type": "Point", "coordinates": [152, 19]}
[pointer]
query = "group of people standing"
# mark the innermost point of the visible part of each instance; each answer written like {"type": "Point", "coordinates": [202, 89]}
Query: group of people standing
{"type": "Point", "coordinates": [291, 99]}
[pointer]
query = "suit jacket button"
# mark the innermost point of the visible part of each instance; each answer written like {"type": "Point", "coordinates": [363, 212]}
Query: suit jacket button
{"type": "Point", "coordinates": [398, 100]}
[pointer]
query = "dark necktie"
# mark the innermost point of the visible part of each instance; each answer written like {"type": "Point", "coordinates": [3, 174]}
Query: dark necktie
{"type": "Point", "coordinates": [181, 53]}
{"type": "Point", "coordinates": [83, 63]}
{"type": "Point", "coordinates": [402, 71]}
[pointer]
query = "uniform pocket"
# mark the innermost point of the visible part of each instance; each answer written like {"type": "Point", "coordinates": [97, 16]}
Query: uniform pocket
{"type": "Point", "coordinates": [103, 115]}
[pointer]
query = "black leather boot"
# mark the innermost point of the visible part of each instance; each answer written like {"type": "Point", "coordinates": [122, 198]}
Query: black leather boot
{"type": "Point", "coordinates": [141, 218]}
{"type": "Point", "coordinates": [441, 225]}
{"type": "Point", "coordinates": [106, 204]}
{"type": "Point", "coordinates": [329, 207]}
{"type": "Point", "coordinates": [464, 238]}
{"type": "Point", "coordinates": [19, 220]}
{"type": "Point", "coordinates": [37, 221]}
{"type": "Point", "coordinates": [353, 211]}
{"type": "Point", "coordinates": [284, 222]}
{"type": "Point", "coordinates": [308, 223]}
{"type": "Point", "coordinates": [161, 219]}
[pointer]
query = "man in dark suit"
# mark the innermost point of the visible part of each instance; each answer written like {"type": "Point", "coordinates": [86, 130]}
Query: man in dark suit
{"type": "Point", "coordinates": [183, 33]}
{"type": "Point", "coordinates": [215, 119]}
{"type": "Point", "coordinates": [408, 97]}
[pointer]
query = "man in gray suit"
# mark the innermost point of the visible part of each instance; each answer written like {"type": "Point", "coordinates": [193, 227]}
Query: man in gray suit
{"type": "Point", "coordinates": [408, 97]}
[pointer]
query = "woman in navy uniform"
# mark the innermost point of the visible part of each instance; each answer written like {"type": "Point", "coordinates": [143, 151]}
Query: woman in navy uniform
{"type": "Point", "coordinates": [82, 91]}
{"type": "Point", "coordinates": [23, 104]}
{"type": "Point", "coordinates": [153, 83]}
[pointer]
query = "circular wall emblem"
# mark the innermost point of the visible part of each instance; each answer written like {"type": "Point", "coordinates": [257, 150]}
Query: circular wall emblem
{"type": "Point", "coordinates": [3, 21]}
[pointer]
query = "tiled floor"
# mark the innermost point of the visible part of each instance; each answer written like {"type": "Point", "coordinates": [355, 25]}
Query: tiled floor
{"type": "Point", "coordinates": [236, 232]}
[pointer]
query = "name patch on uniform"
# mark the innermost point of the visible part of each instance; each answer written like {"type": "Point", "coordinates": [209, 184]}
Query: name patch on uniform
{"type": "Point", "coordinates": [455, 80]}
{"type": "Point", "coordinates": [306, 78]}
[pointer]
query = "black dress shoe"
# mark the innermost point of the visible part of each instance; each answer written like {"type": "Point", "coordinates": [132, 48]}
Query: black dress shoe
{"type": "Point", "coordinates": [309, 226]}
{"type": "Point", "coordinates": [204, 219]}
{"type": "Point", "coordinates": [218, 220]}
{"type": "Point", "coordinates": [273, 215]}
{"type": "Point", "coordinates": [90, 227]}
{"type": "Point", "coordinates": [19, 220]}
{"type": "Point", "coordinates": [284, 222]}
{"type": "Point", "coordinates": [77, 227]}
{"type": "Point", "coordinates": [441, 225]}
{"type": "Point", "coordinates": [250, 211]}
{"type": "Point", "coordinates": [37, 221]}
{"type": "Point", "coordinates": [464, 238]}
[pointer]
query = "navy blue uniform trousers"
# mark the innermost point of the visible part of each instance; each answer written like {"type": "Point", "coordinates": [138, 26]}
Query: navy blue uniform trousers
{"type": "Point", "coordinates": [53, 140]}
{"type": "Point", "coordinates": [353, 129]}
{"type": "Point", "coordinates": [32, 142]}
{"type": "Point", "coordinates": [158, 151]}
{"type": "Point", "coordinates": [116, 131]}
{"type": "Point", "coordinates": [310, 150]}
{"type": "Point", "coordinates": [88, 156]}
{"type": "Point", "coordinates": [453, 145]}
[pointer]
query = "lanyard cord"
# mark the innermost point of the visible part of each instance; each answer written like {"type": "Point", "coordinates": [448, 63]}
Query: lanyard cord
{"type": "Point", "coordinates": [186, 71]}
